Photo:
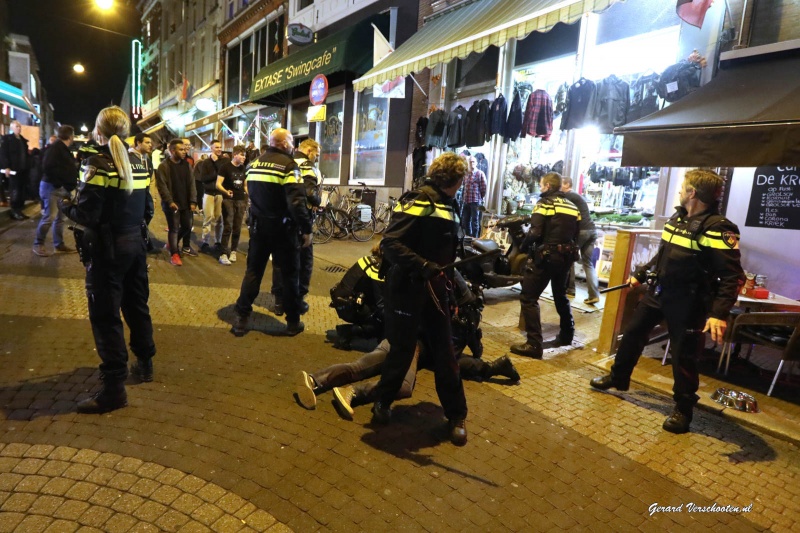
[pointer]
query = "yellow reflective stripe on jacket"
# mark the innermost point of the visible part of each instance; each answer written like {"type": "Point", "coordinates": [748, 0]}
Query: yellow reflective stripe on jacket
{"type": "Point", "coordinates": [271, 176]}
{"type": "Point", "coordinates": [111, 179]}
{"type": "Point", "coordinates": [421, 208]}
{"type": "Point", "coordinates": [714, 239]}
{"type": "Point", "coordinates": [369, 268]}
{"type": "Point", "coordinates": [669, 234]}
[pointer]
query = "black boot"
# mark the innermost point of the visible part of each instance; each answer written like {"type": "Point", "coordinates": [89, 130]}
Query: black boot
{"type": "Point", "coordinates": [142, 370]}
{"type": "Point", "coordinates": [381, 414]}
{"type": "Point", "coordinates": [110, 398]}
{"type": "Point", "coordinates": [527, 350]}
{"type": "Point", "coordinates": [678, 422]}
{"type": "Point", "coordinates": [501, 366]}
{"type": "Point", "coordinates": [608, 381]}
{"type": "Point", "coordinates": [240, 325]}
{"type": "Point", "coordinates": [458, 431]}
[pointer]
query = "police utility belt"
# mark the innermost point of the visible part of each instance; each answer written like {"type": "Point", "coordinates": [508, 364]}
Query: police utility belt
{"type": "Point", "coordinates": [568, 251]}
{"type": "Point", "coordinates": [94, 244]}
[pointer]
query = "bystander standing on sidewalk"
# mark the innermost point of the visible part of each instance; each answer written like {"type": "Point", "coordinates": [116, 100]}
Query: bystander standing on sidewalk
{"type": "Point", "coordinates": [59, 180]}
{"type": "Point", "coordinates": [14, 164]}
{"type": "Point", "coordinates": [474, 191]}
{"type": "Point", "coordinates": [231, 183]}
{"type": "Point", "coordinates": [176, 188]}
{"type": "Point", "coordinates": [207, 173]}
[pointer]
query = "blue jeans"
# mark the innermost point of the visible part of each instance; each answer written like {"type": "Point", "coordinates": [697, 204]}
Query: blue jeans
{"type": "Point", "coordinates": [470, 219]}
{"type": "Point", "coordinates": [51, 216]}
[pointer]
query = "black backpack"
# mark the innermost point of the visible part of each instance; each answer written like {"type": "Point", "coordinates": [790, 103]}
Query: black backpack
{"type": "Point", "coordinates": [678, 80]}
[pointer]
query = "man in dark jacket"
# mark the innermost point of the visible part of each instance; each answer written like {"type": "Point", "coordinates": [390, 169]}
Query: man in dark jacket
{"type": "Point", "coordinates": [207, 172]}
{"type": "Point", "coordinates": [420, 240]}
{"type": "Point", "coordinates": [279, 226]}
{"type": "Point", "coordinates": [176, 188]}
{"type": "Point", "coordinates": [693, 281]}
{"type": "Point", "coordinates": [60, 178]}
{"type": "Point", "coordinates": [14, 162]}
{"type": "Point", "coordinates": [554, 230]}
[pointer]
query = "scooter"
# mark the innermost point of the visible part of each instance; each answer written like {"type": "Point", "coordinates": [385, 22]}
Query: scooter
{"type": "Point", "coordinates": [502, 270]}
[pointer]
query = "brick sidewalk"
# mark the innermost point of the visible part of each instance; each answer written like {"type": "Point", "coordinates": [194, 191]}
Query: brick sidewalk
{"type": "Point", "coordinates": [217, 442]}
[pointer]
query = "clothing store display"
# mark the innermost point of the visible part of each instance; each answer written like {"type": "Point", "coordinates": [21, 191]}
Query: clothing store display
{"type": "Point", "coordinates": [420, 139]}
{"type": "Point", "coordinates": [476, 126]}
{"type": "Point", "coordinates": [560, 101]}
{"type": "Point", "coordinates": [498, 116]}
{"type": "Point", "coordinates": [538, 119]}
{"type": "Point", "coordinates": [436, 132]}
{"type": "Point", "coordinates": [644, 97]}
{"type": "Point", "coordinates": [611, 103]}
{"type": "Point", "coordinates": [580, 105]}
{"type": "Point", "coordinates": [455, 127]}
{"type": "Point", "coordinates": [514, 122]}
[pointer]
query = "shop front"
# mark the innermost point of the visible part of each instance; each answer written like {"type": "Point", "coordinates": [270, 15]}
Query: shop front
{"type": "Point", "coordinates": [363, 138]}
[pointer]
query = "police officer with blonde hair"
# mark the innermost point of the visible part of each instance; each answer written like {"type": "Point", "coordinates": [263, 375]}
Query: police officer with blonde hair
{"type": "Point", "coordinates": [693, 281]}
{"type": "Point", "coordinates": [112, 203]}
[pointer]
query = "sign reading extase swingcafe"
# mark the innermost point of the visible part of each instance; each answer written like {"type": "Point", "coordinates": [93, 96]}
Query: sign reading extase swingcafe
{"type": "Point", "coordinates": [296, 71]}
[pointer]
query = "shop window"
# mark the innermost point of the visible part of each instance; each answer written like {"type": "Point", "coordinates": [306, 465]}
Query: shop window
{"type": "Point", "coordinates": [302, 4]}
{"type": "Point", "coordinates": [262, 48]}
{"type": "Point", "coordinates": [275, 40]}
{"type": "Point", "coordinates": [234, 64]}
{"type": "Point", "coordinates": [477, 69]}
{"type": "Point", "coordinates": [231, 9]}
{"type": "Point", "coordinates": [372, 127]}
{"type": "Point", "coordinates": [247, 66]}
{"type": "Point", "coordinates": [298, 124]}
{"type": "Point", "coordinates": [629, 19]}
{"type": "Point", "coordinates": [330, 139]}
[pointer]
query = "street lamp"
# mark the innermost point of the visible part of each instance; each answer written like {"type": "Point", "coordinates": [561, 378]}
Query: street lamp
{"type": "Point", "coordinates": [104, 4]}
{"type": "Point", "coordinates": [78, 68]}
{"type": "Point", "coordinates": [84, 129]}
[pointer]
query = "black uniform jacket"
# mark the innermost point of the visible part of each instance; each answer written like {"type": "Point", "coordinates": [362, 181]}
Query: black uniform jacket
{"type": "Point", "coordinates": [102, 198]}
{"type": "Point", "coordinates": [555, 220]}
{"type": "Point", "coordinates": [275, 185]}
{"type": "Point", "coordinates": [699, 254]}
{"type": "Point", "coordinates": [424, 227]}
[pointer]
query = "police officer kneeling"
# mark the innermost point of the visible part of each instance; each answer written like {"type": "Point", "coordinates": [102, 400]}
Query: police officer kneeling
{"type": "Point", "coordinates": [421, 238]}
{"type": "Point", "coordinates": [695, 273]}
{"type": "Point", "coordinates": [114, 205]}
{"type": "Point", "coordinates": [553, 233]}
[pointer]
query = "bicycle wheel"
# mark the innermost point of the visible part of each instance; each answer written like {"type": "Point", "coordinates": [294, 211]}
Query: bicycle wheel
{"type": "Point", "coordinates": [341, 221]}
{"type": "Point", "coordinates": [363, 231]}
{"type": "Point", "coordinates": [322, 229]}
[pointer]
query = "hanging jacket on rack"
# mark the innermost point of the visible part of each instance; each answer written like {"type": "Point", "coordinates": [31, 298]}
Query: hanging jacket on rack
{"type": "Point", "coordinates": [420, 138]}
{"type": "Point", "coordinates": [580, 105]}
{"type": "Point", "coordinates": [514, 122]}
{"type": "Point", "coordinates": [538, 120]}
{"type": "Point", "coordinates": [455, 127]}
{"type": "Point", "coordinates": [436, 133]}
{"type": "Point", "coordinates": [474, 126]}
{"type": "Point", "coordinates": [612, 100]}
{"type": "Point", "coordinates": [498, 116]}
{"type": "Point", "coordinates": [484, 118]}
{"type": "Point", "coordinates": [644, 98]}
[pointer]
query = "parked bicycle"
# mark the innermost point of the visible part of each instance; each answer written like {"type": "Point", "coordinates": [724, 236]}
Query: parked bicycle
{"type": "Point", "coordinates": [383, 215]}
{"type": "Point", "coordinates": [338, 223]}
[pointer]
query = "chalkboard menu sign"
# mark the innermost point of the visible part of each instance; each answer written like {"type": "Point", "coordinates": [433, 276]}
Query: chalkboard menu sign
{"type": "Point", "coordinates": [775, 198]}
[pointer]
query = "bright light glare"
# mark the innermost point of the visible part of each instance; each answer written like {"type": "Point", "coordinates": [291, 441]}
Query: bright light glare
{"type": "Point", "coordinates": [84, 128]}
{"type": "Point", "coordinates": [77, 67]}
{"type": "Point", "coordinates": [104, 4]}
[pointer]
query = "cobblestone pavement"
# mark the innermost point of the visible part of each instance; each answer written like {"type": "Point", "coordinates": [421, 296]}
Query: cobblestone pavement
{"type": "Point", "coordinates": [217, 441]}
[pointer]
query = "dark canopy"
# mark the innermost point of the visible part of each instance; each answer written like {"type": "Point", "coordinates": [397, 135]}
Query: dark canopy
{"type": "Point", "coordinates": [747, 116]}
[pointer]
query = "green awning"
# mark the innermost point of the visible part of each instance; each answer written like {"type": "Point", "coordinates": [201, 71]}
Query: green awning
{"type": "Point", "coordinates": [15, 98]}
{"type": "Point", "coordinates": [348, 50]}
{"type": "Point", "coordinates": [472, 27]}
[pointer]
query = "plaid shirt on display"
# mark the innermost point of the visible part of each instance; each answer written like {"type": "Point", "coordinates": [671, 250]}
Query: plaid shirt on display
{"type": "Point", "coordinates": [474, 187]}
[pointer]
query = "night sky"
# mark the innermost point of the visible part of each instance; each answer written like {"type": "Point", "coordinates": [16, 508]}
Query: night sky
{"type": "Point", "coordinates": [60, 37]}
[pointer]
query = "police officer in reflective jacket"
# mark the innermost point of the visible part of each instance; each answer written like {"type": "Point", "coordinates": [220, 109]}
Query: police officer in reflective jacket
{"type": "Point", "coordinates": [421, 238]}
{"type": "Point", "coordinates": [552, 239]}
{"type": "Point", "coordinates": [279, 221]}
{"type": "Point", "coordinates": [112, 206]}
{"type": "Point", "coordinates": [693, 281]}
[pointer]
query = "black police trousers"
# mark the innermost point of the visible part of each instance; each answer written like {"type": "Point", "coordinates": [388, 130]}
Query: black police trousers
{"type": "Point", "coordinates": [304, 274]}
{"type": "Point", "coordinates": [685, 316]}
{"type": "Point", "coordinates": [114, 284]}
{"type": "Point", "coordinates": [411, 314]}
{"type": "Point", "coordinates": [555, 271]}
{"type": "Point", "coordinates": [270, 237]}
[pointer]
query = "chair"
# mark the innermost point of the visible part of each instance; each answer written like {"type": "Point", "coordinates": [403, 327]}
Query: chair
{"type": "Point", "coordinates": [778, 331]}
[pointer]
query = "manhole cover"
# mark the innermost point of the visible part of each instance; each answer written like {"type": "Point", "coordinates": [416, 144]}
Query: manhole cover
{"type": "Point", "coordinates": [334, 269]}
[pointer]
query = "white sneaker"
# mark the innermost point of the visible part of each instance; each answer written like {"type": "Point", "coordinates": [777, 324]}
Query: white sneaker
{"type": "Point", "coordinates": [232, 257]}
{"type": "Point", "coordinates": [223, 260]}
